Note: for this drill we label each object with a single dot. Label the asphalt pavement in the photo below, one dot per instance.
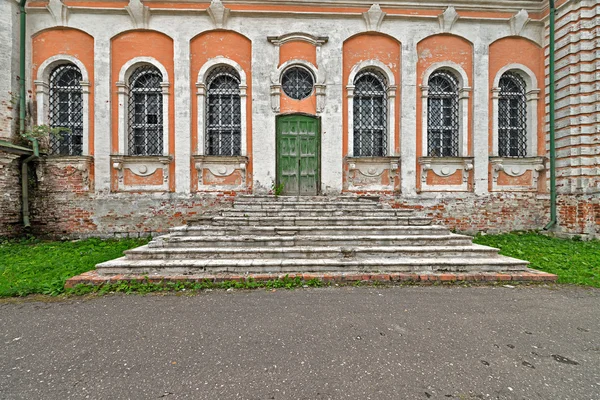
(331, 343)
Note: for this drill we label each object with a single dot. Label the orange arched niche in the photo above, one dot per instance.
(298, 50)
(72, 42)
(142, 43)
(237, 48)
(518, 50)
(435, 49)
(363, 47)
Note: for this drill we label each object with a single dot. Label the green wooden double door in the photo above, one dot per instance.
(298, 148)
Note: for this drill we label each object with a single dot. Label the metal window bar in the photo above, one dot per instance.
(442, 115)
(297, 83)
(512, 116)
(370, 114)
(145, 116)
(66, 110)
(223, 113)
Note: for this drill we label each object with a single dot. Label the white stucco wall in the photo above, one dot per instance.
(9, 67)
(182, 26)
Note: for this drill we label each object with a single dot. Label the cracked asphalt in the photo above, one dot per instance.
(333, 343)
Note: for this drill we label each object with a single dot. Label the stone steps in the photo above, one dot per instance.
(291, 205)
(281, 235)
(253, 199)
(312, 221)
(315, 213)
(312, 252)
(300, 240)
(354, 230)
(163, 267)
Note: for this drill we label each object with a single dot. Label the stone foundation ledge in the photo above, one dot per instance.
(526, 276)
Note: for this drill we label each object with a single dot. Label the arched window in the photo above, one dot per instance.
(370, 114)
(512, 116)
(443, 115)
(223, 112)
(66, 110)
(145, 121)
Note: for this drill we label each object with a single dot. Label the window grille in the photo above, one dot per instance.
(66, 110)
(442, 115)
(370, 114)
(297, 83)
(145, 112)
(512, 116)
(223, 112)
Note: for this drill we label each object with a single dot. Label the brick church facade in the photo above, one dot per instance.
(174, 107)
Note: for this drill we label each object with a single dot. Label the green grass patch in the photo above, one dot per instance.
(574, 261)
(38, 267)
(145, 287)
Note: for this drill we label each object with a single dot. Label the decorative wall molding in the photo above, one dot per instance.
(374, 18)
(143, 167)
(59, 11)
(518, 22)
(139, 13)
(218, 13)
(298, 37)
(219, 173)
(515, 168)
(446, 167)
(447, 19)
(372, 173)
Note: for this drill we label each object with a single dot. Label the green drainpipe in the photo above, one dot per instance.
(553, 219)
(22, 104)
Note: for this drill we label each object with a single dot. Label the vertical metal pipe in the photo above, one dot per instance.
(552, 83)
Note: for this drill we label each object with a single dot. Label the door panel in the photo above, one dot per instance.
(298, 154)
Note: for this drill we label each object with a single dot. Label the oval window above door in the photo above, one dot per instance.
(297, 83)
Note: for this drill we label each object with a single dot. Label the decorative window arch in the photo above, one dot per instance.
(144, 114)
(62, 95)
(143, 90)
(445, 95)
(317, 77)
(442, 115)
(223, 114)
(371, 93)
(221, 99)
(515, 97)
(370, 114)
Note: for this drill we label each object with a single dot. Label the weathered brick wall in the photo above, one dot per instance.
(9, 67)
(492, 213)
(10, 195)
(578, 117)
(65, 205)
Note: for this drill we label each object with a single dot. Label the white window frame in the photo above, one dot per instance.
(123, 97)
(391, 99)
(42, 93)
(201, 83)
(532, 96)
(464, 92)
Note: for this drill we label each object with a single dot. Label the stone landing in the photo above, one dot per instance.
(333, 239)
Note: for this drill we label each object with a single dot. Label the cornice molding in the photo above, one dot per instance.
(298, 36)
(355, 7)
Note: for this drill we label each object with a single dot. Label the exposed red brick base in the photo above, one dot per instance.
(529, 275)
